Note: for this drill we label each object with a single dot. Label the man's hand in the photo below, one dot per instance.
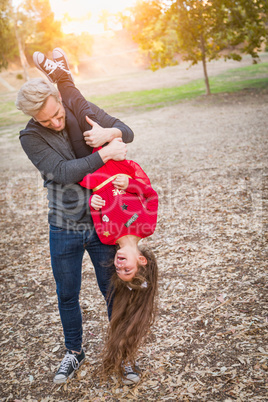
(97, 202)
(116, 150)
(121, 182)
(98, 136)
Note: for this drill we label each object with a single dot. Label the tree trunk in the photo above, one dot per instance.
(75, 66)
(23, 60)
(204, 62)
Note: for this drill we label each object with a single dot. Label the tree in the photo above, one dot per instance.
(24, 28)
(248, 24)
(77, 46)
(104, 19)
(7, 37)
(197, 30)
(37, 27)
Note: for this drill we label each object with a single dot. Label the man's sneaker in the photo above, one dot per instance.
(45, 65)
(131, 376)
(60, 58)
(71, 362)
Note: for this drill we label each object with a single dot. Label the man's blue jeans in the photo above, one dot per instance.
(67, 249)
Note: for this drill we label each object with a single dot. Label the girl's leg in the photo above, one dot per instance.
(79, 108)
(73, 99)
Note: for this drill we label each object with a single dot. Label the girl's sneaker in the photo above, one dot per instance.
(53, 72)
(60, 58)
(131, 375)
(45, 65)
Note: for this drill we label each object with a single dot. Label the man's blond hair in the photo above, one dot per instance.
(33, 95)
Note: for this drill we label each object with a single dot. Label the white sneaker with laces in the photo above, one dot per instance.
(131, 376)
(69, 364)
(60, 58)
(45, 65)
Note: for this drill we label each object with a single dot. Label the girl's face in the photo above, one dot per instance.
(126, 262)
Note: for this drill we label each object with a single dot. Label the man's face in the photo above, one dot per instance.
(52, 115)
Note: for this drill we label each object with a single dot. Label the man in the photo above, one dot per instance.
(45, 141)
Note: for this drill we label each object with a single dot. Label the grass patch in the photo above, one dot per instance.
(235, 86)
(234, 80)
(6, 107)
(247, 71)
(11, 117)
(254, 76)
(153, 97)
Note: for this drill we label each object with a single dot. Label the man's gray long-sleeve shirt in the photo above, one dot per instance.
(52, 154)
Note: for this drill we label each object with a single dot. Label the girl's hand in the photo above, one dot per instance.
(121, 182)
(97, 202)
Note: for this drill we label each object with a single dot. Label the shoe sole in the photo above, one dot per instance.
(63, 381)
(130, 382)
(66, 59)
(35, 55)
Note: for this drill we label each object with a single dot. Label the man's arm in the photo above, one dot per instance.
(111, 126)
(99, 136)
(55, 167)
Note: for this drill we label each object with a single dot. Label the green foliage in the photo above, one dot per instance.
(4, 30)
(7, 35)
(36, 29)
(246, 25)
(155, 34)
(36, 26)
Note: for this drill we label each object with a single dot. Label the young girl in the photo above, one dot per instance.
(124, 210)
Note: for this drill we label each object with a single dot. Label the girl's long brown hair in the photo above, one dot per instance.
(132, 315)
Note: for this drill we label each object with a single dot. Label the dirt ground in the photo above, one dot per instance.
(207, 158)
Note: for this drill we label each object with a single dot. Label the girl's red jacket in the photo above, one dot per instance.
(126, 212)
